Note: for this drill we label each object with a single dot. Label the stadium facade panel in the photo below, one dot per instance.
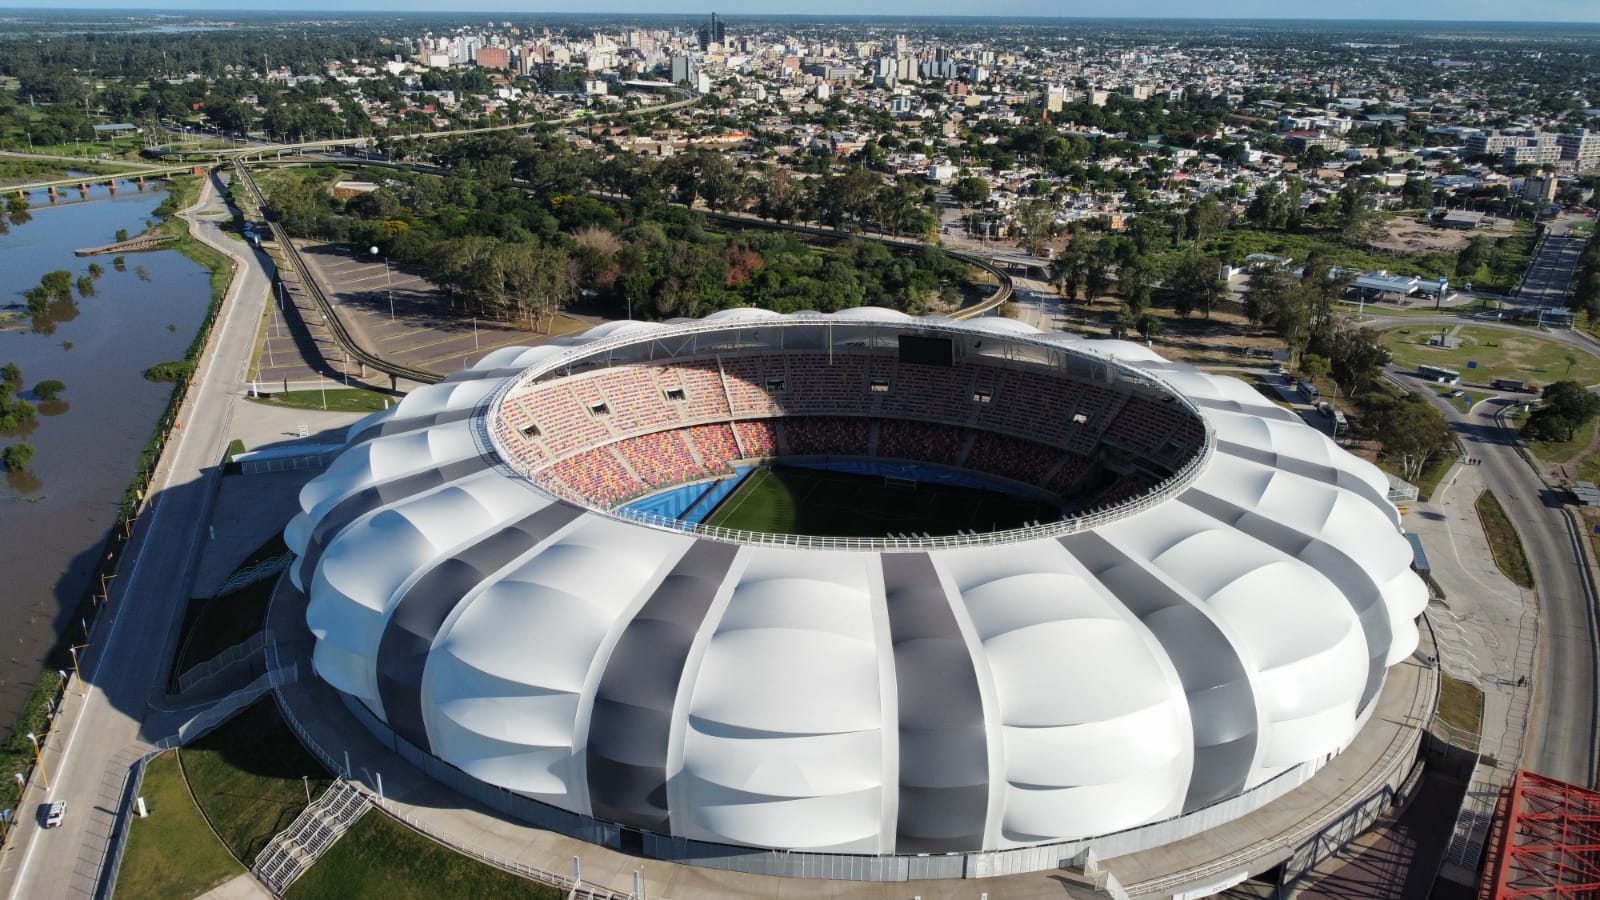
(1213, 616)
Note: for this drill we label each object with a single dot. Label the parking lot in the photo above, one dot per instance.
(394, 313)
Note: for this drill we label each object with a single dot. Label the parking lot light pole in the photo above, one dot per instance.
(386, 281)
(39, 758)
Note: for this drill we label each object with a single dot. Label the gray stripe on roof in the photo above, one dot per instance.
(1222, 706)
(941, 714)
(371, 498)
(415, 621)
(413, 423)
(1306, 469)
(630, 727)
(1354, 584)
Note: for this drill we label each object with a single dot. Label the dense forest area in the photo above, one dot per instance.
(512, 224)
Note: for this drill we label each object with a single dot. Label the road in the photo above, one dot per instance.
(99, 733)
(1562, 726)
(1550, 272)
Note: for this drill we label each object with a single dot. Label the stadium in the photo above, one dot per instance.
(898, 597)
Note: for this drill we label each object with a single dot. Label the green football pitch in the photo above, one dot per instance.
(789, 500)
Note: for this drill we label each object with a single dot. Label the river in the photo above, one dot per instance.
(55, 516)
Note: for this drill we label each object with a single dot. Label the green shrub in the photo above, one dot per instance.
(173, 371)
(17, 456)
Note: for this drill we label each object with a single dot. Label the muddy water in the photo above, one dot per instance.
(54, 517)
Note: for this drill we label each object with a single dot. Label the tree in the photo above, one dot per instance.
(11, 375)
(1148, 325)
(49, 389)
(1471, 257)
(970, 191)
(1197, 284)
(1411, 430)
(1035, 220)
(1270, 287)
(1314, 366)
(1067, 269)
(1097, 269)
(17, 456)
(1205, 218)
(1136, 277)
(1355, 358)
(1355, 219)
(1565, 407)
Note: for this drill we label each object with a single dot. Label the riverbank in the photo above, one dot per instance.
(68, 529)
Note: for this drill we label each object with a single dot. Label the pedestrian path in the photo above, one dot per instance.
(1487, 631)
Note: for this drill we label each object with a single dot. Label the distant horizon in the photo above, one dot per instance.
(1426, 12)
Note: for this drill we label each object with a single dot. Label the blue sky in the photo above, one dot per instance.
(1452, 10)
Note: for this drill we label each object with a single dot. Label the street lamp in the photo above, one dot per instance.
(75, 670)
(38, 758)
(386, 280)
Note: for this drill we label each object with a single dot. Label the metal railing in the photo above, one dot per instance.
(296, 848)
(198, 673)
(133, 782)
(261, 570)
(331, 318)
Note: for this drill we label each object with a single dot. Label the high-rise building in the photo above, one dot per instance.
(713, 32)
(1581, 149)
(684, 70)
(493, 58)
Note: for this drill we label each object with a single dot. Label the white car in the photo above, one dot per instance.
(54, 813)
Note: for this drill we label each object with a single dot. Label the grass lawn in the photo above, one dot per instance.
(1460, 704)
(171, 853)
(247, 777)
(1498, 353)
(332, 399)
(1581, 229)
(1503, 540)
(1433, 473)
(182, 192)
(381, 858)
(791, 500)
(1561, 451)
(1237, 243)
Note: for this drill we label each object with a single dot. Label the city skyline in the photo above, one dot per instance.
(1540, 11)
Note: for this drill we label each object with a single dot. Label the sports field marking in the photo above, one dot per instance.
(740, 495)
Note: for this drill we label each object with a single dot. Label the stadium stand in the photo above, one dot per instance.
(614, 433)
(759, 438)
(921, 441)
(820, 436)
(716, 446)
